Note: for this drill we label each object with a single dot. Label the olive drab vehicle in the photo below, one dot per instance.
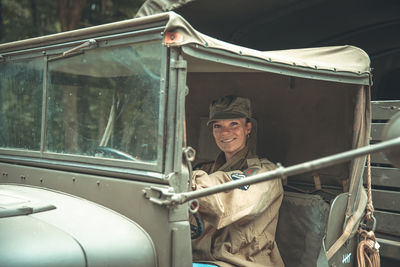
(100, 128)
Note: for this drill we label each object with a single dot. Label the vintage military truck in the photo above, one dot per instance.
(98, 126)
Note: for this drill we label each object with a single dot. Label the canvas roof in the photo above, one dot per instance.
(347, 59)
(336, 58)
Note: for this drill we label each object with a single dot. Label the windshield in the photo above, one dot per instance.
(105, 103)
(102, 103)
(21, 87)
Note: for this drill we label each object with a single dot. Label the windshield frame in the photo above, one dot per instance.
(62, 161)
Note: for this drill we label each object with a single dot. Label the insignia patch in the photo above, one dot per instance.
(251, 171)
(237, 176)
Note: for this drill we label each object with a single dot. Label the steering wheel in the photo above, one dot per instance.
(108, 152)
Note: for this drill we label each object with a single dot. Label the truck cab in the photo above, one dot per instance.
(99, 126)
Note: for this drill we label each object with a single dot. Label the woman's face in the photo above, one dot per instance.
(230, 135)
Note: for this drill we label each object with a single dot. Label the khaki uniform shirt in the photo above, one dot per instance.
(240, 224)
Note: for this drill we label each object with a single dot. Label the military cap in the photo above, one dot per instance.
(229, 107)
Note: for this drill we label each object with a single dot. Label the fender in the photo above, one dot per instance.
(47, 228)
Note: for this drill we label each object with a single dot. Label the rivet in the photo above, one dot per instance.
(44, 52)
(73, 179)
(41, 180)
(98, 182)
(144, 193)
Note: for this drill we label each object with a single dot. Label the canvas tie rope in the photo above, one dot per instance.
(370, 206)
(368, 248)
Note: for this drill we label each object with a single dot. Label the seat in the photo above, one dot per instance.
(301, 228)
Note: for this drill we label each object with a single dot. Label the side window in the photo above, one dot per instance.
(105, 102)
(21, 87)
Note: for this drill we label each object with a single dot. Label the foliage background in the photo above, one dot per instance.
(21, 19)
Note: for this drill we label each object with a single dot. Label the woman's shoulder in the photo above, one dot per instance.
(204, 166)
(262, 163)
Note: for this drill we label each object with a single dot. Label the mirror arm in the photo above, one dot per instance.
(88, 43)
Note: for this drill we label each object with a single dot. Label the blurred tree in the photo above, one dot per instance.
(70, 12)
(30, 18)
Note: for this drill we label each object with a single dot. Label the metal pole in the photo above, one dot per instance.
(289, 171)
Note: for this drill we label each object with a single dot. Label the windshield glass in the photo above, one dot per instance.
(105, 103)
(21, 90)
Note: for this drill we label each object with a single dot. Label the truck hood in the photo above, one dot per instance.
(40, 227)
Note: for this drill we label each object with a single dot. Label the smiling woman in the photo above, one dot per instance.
(230, 118)
(242, 221)
(230, 135)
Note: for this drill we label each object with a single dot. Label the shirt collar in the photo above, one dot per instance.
(235, 163)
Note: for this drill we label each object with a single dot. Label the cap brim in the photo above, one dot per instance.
(226, 116)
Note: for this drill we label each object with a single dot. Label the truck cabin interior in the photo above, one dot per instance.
(297, 120)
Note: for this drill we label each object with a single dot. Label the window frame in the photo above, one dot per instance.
(125, 168)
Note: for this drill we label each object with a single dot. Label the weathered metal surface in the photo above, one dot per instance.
(384, 110)
(386, 200)
(384, 176)
(121, 195)
(69, 235)
(376, 131)
(387, 222)
(392, 130)
(380, 158)
(389, 248)
(334, 224)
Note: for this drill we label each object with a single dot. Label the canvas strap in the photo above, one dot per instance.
(348, 229)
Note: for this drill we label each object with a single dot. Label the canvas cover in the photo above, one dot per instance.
(151, 7)
(341, 58)
(337, 58)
